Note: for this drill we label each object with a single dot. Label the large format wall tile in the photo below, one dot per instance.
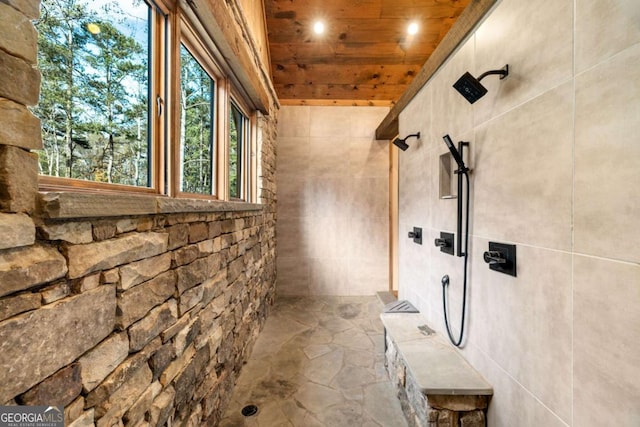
(328, 157)
(555, 165)
(522, 175)
(333, 202)
(330, 121)
(452, 114)
(524, 322)
(606, 330)
(512, 405)
(368, 158)
(293, 155)
(293, 122)
(536, 39)
(293, 274)
(607, 169)
(604, 28)
(291, 191)
(364, 121)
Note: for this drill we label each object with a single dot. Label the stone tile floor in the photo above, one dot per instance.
(318, 362)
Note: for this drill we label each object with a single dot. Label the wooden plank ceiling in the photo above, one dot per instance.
(365, 55)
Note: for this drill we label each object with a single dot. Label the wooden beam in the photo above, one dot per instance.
(331, 91)
(351, 53)
(234, 46)
(345, 74)
(312, 9)
(355, 31)
(467, 21)
(411, 9)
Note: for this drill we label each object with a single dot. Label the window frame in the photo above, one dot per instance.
(244, 162)
(171, 27)
(194, 44)
(158, 97)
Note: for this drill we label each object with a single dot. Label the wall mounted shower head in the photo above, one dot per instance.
(455, 153)
(471, 88)
(400, 142)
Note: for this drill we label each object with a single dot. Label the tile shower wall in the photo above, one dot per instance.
(556, 166)
(333, 198)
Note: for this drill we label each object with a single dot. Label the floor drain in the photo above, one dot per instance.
(249, 410)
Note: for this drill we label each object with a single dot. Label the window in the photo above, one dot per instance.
(95, 93)
(122, 112)
(238, 144)
(197, 96)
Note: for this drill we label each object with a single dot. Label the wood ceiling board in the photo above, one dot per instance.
(325, 53)
(323, 91)
(361, 36)
(348, 74)
(323, 9)
(354, 31)
(388, 128)
(338, 102)
(419, 9)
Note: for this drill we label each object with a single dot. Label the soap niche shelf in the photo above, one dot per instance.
(448, 189)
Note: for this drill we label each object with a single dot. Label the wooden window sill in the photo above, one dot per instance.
(67, 205)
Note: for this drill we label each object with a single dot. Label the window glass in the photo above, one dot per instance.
(94, 102)
(238, 136)
(197, 91)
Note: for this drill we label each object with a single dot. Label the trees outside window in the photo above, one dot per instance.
(94, 103)
(197, 94)
(238, 140)
(118, 113)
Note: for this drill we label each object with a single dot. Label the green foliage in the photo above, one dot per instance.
(196, 101)
(237, 122)
(94, 94)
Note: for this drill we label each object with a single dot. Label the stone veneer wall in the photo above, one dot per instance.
(440, 410)
(126, 320)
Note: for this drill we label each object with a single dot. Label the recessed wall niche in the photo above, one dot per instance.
(448, 189)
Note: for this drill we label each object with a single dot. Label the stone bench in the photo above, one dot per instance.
(436, 385)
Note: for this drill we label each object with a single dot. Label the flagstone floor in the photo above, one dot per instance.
(318, 362)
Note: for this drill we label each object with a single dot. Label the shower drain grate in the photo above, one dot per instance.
(401, 306)
(249, 410)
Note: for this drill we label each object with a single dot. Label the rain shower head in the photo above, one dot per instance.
(400, 142)
(471, 88)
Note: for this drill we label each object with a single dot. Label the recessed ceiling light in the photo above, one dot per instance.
(413, 28)
(318, 27)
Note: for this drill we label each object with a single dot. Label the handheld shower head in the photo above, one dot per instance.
(455, 153)
(400, 142)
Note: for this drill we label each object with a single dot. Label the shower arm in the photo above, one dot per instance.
(504, 72)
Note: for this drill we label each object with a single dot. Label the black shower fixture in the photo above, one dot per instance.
(400, 142)
(456, 154)
(472, 89)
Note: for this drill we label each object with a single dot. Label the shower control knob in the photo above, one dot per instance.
(441, 243)
(494, 257)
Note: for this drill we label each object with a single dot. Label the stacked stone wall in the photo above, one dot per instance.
(432, 410)
(138, 320)
(133, 321)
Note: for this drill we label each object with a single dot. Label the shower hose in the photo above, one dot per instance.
(445, 279)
